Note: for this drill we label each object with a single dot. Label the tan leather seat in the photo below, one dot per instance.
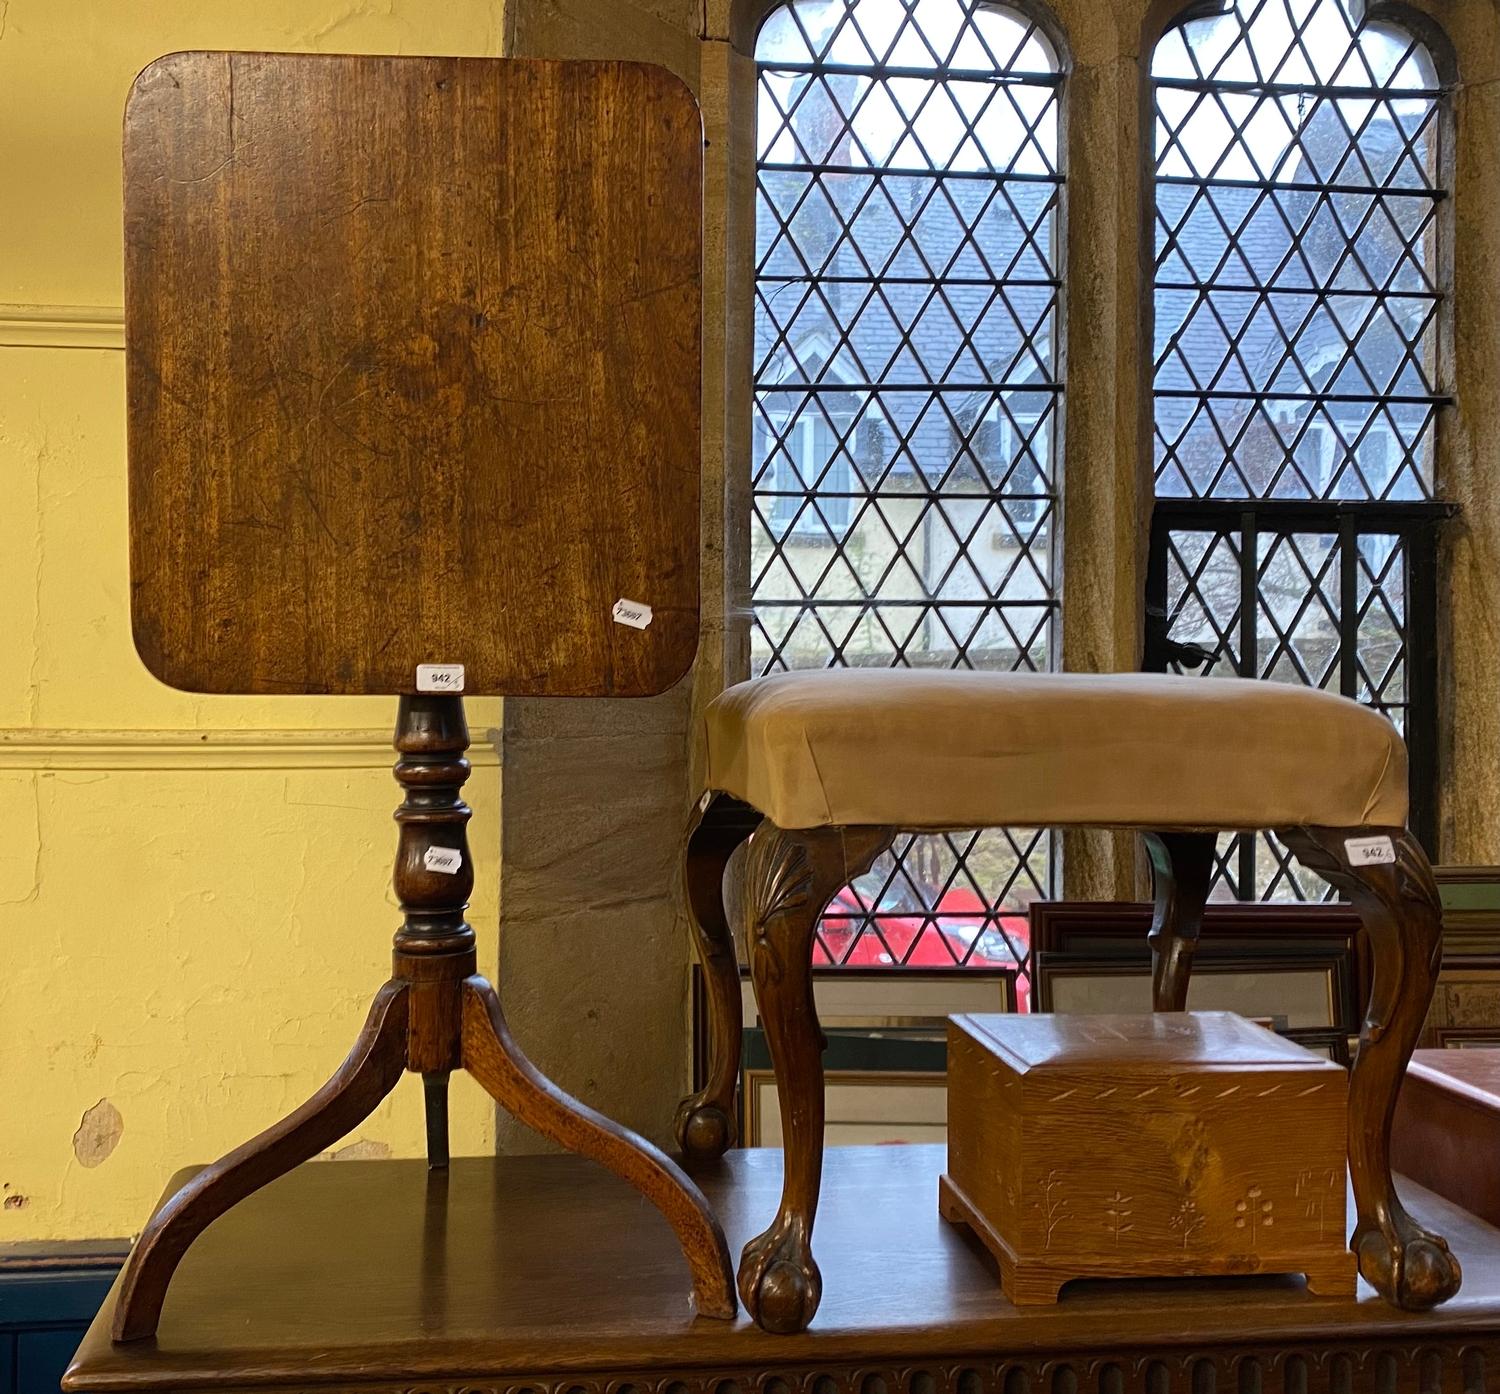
(915, 749)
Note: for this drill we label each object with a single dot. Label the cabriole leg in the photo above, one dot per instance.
(1182, 866)
(1397, 901)
(789, 879)
(705, 1126)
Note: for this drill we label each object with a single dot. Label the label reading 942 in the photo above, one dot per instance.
(440, 677)
(1370, 851)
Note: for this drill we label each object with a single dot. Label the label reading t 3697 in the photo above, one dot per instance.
(634, 613)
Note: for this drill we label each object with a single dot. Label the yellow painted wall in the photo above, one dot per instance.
(194, 891)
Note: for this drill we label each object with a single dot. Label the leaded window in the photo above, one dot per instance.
(1298, 236)
(906, 399)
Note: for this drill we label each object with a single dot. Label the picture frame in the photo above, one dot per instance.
(1298, 994)
(1334, 1044)
(1466, 1037)
(860, 1107)
(1470, 897)
(1229, 927)
(1280, 938)
(879, 1087)
(901, 999)
(1466, 1003)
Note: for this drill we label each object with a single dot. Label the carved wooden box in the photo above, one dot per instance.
(1145, 1146)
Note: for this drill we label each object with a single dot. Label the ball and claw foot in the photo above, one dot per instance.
(704, 1131)
(1408, 1266)
(779, 1283)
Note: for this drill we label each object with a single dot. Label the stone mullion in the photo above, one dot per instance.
(728, 97)
(1107, 476)
(1468, 442)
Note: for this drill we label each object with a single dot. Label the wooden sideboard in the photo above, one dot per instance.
(546, 1275)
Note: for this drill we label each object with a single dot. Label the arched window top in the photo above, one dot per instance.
(933, 85)
(1295, 43)
(1309, 92)
(928, 36)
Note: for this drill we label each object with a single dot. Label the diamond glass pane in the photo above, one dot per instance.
(1296, 349)
(1297, 159)
(907, 400)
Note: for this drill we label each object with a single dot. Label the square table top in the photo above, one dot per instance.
(519, 1268)
(413, 364)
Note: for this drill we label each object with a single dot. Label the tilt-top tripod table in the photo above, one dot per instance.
(413, 360)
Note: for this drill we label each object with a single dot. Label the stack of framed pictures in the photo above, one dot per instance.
(1466, 1008)
(1297, 968)
(886, 1062)
(879, 1087)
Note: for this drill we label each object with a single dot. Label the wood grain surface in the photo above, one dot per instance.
(413, 372)
(367, 1271)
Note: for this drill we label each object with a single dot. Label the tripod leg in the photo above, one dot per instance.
(435, 1095)
(491, 1055)
(368, 1074)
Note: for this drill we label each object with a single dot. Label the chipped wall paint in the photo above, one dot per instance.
(189, 938)
(98, 1134)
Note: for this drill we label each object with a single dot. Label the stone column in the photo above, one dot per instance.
(1468, 467)
(1107, 486)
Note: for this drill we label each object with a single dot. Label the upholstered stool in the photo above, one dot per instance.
(820, 770)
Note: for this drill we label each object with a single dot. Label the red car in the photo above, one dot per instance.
(960, 930)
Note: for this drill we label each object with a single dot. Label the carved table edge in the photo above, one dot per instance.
(1451, 1359)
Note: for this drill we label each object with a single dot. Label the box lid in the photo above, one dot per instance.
(1051, 1040)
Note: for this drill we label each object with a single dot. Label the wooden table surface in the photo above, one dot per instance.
(413, 363)
(1477, 1071)
(547, 1274)
(1448, 1116)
